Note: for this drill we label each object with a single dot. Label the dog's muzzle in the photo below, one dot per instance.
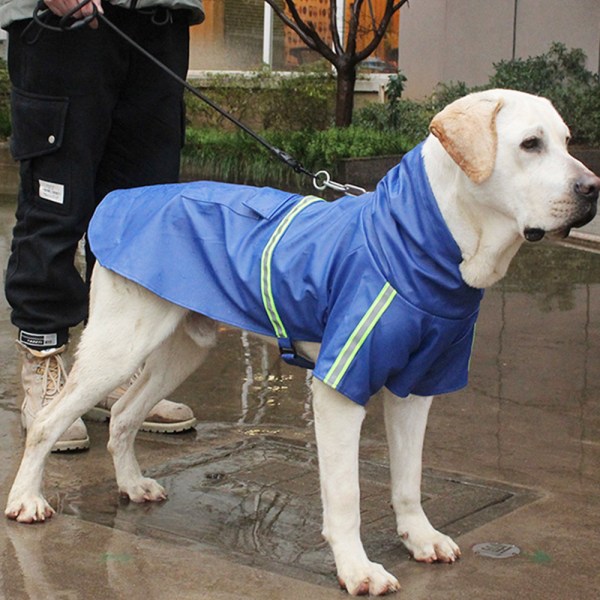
(586, 190)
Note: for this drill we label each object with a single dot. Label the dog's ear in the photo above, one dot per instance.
(467, 130)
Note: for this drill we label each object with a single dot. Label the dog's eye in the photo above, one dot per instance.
(531, 144)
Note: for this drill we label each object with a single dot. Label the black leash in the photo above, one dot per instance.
(68, 22)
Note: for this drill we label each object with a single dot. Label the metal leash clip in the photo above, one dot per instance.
(322, 180)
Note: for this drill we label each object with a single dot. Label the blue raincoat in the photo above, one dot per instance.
(375, 279)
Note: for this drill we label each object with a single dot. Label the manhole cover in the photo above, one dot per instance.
(258, 502)
(496, 550)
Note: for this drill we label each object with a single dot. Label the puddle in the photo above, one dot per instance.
(258, 502)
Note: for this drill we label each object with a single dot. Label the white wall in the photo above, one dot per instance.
(459, 40)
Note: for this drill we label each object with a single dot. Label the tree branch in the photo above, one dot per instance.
(390, 10)
(306, 31)
(353, 28)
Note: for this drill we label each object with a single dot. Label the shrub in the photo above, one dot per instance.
(233, 95)
(445, 93)
(559, 75)
(291, 112)
(395, 114)
(331, 145)
(408, 119)
(301, 102)
(545, 74)
(266, 101)
(235, 156)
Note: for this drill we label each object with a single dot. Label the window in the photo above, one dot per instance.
(244, 35)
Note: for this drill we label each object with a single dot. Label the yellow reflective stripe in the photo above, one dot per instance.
(266, 286)
(471, 349)
(359, 335)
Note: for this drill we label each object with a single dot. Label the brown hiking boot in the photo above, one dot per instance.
(43, 376)
(165, 417)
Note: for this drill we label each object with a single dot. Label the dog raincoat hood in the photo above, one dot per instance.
(376, 278)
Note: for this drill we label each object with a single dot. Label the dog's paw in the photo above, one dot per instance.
(431, 547)
(370, 579)
(28, 509)
(144, 490)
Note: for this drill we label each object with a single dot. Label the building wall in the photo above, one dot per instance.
(231, 38)
(459, 40)
(439, 40)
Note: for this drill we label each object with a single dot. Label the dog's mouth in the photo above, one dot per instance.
(535, 234)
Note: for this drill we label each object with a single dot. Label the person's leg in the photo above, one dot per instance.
(148, 125)
(143, 148)
(61, 106)
(63, 88)
(148, 122)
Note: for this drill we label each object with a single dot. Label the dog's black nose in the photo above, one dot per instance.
(587, 187)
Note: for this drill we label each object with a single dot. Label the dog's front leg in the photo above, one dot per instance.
(338, 423)
(405, 421)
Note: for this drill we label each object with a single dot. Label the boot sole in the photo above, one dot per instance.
(71, 445)
(63, 445)
(101, 415)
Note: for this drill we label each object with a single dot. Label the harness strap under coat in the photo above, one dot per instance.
(286, 346)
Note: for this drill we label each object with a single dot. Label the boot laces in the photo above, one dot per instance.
(54, 375)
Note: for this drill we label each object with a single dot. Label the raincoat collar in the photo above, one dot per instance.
(412, 245)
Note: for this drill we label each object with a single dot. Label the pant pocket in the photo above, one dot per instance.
(38, 124)
(38, 130)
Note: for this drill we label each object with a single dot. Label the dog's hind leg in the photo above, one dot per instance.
(405, 421)
(164, 370)
(112, 346)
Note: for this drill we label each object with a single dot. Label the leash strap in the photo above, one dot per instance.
(320, 180)
(286, 347)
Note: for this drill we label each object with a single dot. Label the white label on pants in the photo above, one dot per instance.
(55, 192)
(38, 339)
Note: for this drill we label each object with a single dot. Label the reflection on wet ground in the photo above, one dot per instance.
(258, 501)
(530, 417)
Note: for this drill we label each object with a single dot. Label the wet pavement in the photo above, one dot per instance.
(514, 460)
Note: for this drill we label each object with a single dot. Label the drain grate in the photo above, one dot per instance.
(259, 503)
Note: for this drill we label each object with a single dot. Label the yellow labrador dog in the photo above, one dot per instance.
(413, 256)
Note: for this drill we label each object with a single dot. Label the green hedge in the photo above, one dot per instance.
(296, 113)
(558, 74)
(235, 156)
(561, 76)
(266, 100)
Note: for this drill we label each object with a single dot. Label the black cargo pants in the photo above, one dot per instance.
(90, 114)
